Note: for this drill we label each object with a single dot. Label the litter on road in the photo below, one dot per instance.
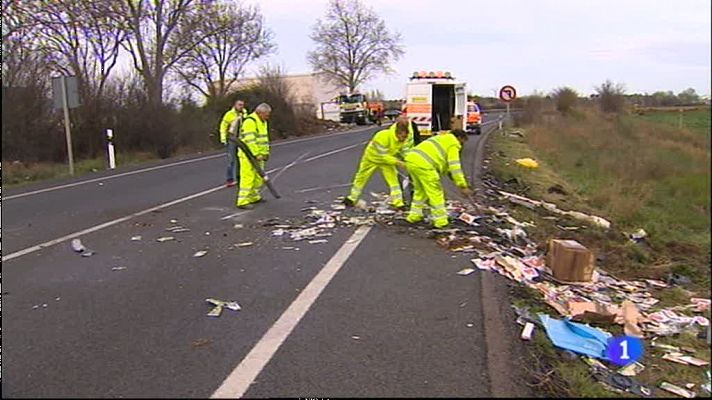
(200, 253)
(219, 305)
(136, 238)
(165, 239)
(118, 268)
(528, 331)
(466, 271)
(244, 244)
(78, 247)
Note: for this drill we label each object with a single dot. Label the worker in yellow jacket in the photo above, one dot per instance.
(426, 162)
(230, 125)
(384, 152)
(255, 134)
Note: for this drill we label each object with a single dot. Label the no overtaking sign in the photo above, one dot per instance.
(508, 93)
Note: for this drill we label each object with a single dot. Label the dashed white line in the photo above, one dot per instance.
(192, 160)
(240, 379)
(137, 214)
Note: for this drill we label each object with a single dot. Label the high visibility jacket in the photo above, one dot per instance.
(255, 134)
(383, 147)
(442, 153)
(408, 143)
(227, 121)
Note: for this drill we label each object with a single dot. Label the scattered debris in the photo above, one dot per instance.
(637, 236)
(527, 163)
(466, 271)
(674, 389)
(576, 337)
(238, 226)
(200, 253)
(219, 304)
(632, 369)
(244, 244)
(174, 221)
(201, 342)
(529, 203)
(78, 247)
(528, 331)
(558, 189)
(136, 238)
(165, 239)
(118, 268)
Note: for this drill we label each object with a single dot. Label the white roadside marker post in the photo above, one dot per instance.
(110, 148)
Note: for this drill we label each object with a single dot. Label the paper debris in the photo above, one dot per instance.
(669, 387)
(355, 337)
(632, 369)
(244, 244)
(317, 241)
(77, 246)
(527, 331)
(466, 271)
(118, 268)
(238, 226)
(219, 305)
(174, 221)
(165, 238)
(136, 238)
(200, 253)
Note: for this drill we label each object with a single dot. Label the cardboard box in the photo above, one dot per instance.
(456, 122)
(570, 261)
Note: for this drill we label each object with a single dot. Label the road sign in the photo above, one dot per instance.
(72, 91)
(508, 93)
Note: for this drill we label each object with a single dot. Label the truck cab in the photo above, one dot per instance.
(436, 102)
(353, 109)
(474, 118)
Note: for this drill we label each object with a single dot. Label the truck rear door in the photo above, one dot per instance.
(419, 99)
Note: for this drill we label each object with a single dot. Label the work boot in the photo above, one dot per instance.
(246, 207)
(348, 202)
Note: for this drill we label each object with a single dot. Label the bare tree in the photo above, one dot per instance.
(77, 37)
(353, 44)
(22, 64)
(239, 38)
(163, 32)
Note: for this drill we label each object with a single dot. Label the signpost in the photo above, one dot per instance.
(65, 95)
(507, 94)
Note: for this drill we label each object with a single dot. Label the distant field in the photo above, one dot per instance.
(697, 120)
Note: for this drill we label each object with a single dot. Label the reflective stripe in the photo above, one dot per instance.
(440, 149)
(454, 162)
(425, 157)
(456, 171)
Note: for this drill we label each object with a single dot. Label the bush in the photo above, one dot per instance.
(610, 97)
(565, 98)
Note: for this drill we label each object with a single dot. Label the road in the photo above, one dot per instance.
(374, 312)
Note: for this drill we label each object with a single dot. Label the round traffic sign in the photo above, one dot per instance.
(508, 93)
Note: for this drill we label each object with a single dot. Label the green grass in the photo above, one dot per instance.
(637, 172)
(18, 174)
(697, 121)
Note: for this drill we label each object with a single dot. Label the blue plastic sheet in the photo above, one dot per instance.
(576, 337)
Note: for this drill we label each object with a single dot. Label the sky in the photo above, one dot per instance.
(533, 45)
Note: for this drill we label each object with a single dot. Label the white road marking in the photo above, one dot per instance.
(140, 171)
(40, 246)
(240, 379)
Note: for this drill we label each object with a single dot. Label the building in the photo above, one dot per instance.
(309, 91)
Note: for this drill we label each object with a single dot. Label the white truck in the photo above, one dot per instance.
(436, 102)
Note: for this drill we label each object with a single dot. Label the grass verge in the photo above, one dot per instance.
(637, 172)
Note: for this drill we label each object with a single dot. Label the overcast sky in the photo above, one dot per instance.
(533, 45)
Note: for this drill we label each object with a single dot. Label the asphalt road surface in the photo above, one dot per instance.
(374, 312)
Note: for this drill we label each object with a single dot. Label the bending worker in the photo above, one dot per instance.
(426, 162)
(255, 135)
(230, 125)
(382, 153)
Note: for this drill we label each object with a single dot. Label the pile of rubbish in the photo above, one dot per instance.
(500, 244)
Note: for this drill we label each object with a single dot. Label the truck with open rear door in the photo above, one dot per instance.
(436, 102)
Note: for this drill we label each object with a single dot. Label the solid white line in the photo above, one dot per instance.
(140, 171)
(240, 379)
(158, 207)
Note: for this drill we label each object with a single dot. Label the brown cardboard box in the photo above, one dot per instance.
(456, 122)
(570, 261)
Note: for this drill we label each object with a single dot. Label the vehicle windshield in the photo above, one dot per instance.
(473, 107)
(354, 98)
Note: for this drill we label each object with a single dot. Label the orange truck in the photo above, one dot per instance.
(356, 108)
